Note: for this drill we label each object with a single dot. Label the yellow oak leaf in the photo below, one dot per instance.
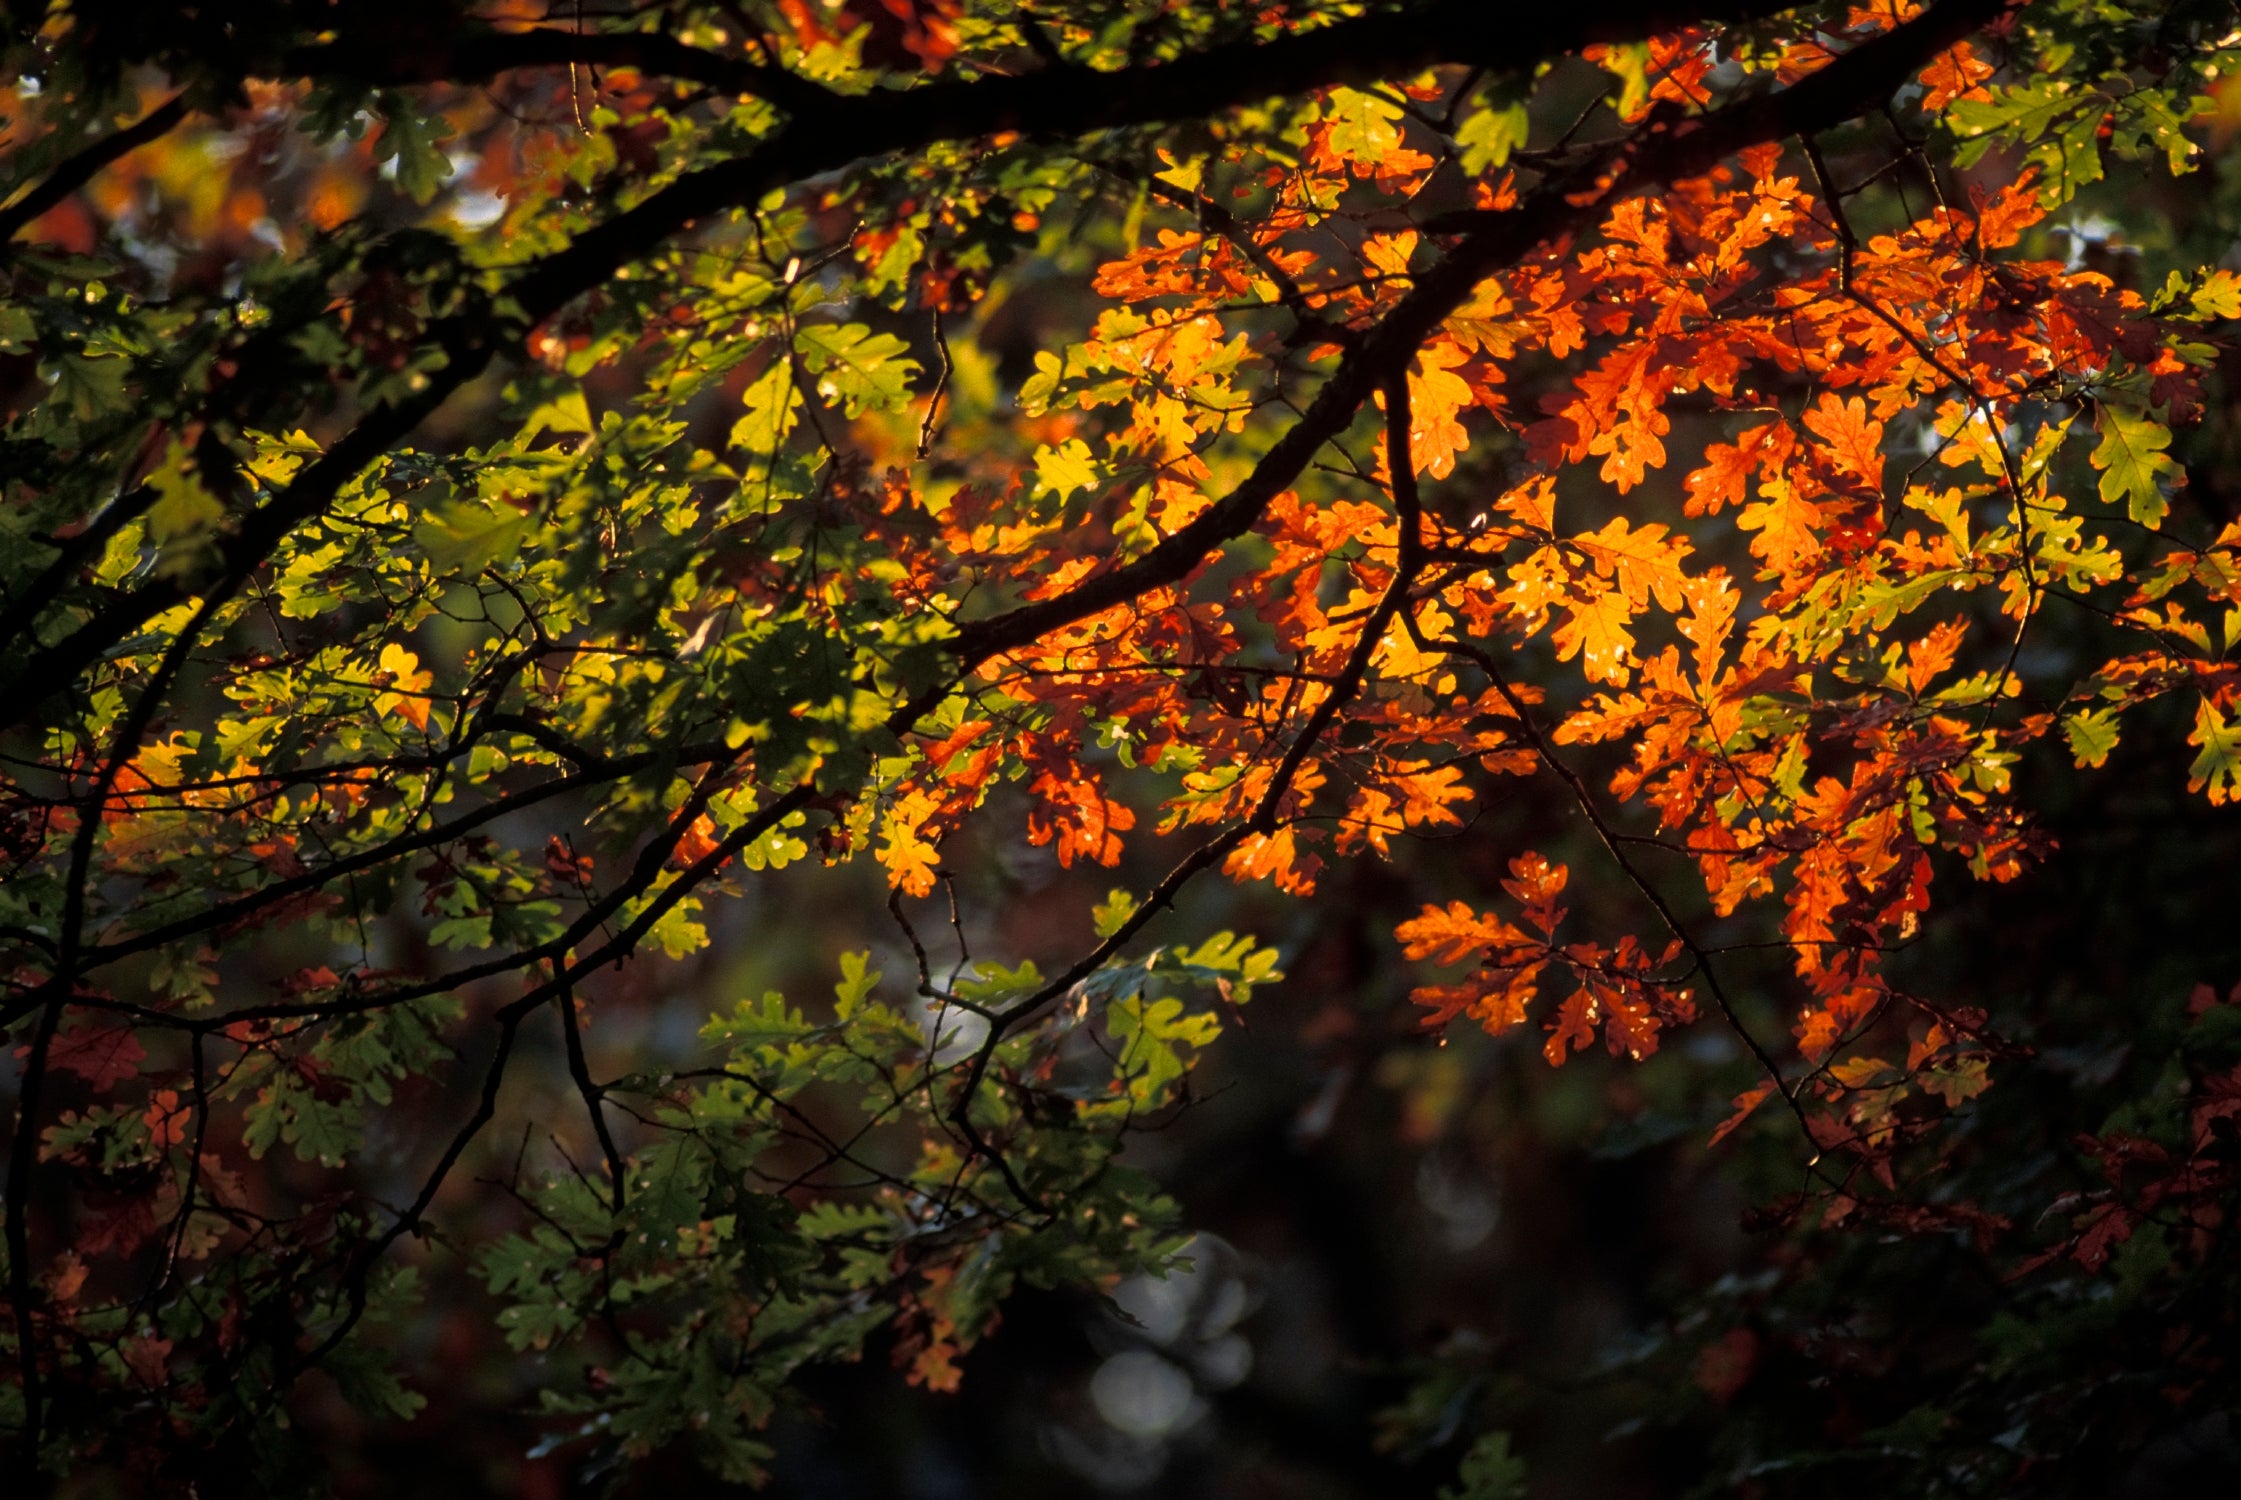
(407, 695)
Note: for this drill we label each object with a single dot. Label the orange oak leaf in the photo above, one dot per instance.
(1595, 631)
(1454, 933)
(1722, 481)
(1574, 1025)
(1854, 441)
(1745, 1104)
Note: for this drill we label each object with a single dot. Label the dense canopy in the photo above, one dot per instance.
(668, 667)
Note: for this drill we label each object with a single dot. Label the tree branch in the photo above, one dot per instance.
(1859, 80)
(79, 170)
(476, 58)
(826, 137)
